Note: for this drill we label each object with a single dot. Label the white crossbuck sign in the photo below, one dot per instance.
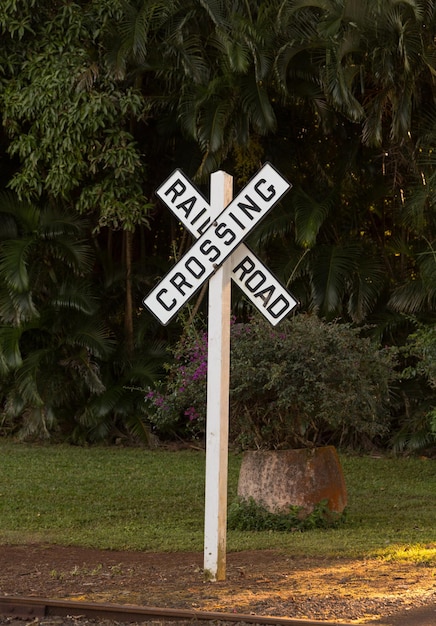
(218, 237)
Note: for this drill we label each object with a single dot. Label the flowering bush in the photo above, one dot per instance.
(178, 404)
(305, 383)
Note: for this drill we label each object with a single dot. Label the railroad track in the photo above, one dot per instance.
(39, 608)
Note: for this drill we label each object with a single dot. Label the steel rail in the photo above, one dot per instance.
(32, 607)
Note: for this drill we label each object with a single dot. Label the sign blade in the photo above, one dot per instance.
(265, 291)
(247, 209)
(187, 203)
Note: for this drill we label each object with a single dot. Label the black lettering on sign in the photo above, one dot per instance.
(235, 219)
(246, 266)
(280, 300)
(201, 228)
(166, 306)
(272, 191)
(194, 266)
(265, 294)
(246, 208)
(207, 247)
(177, 189)
(197, 217)
(179, 282)
(222, 231)
(186, 206)
(255, 283)
(259, 278)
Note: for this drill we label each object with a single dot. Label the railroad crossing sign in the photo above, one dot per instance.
(218, 236)
(218, 255)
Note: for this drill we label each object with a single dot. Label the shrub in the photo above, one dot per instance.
(421, 346)
(304, 383)
(250, 515)
(177, 405)
(416, 429)
(308, 383)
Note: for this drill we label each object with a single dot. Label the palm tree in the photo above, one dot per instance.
(204, 68)
(357, 82)
(61, 348)
(52, 339)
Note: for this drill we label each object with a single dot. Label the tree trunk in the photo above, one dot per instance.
(128, 313)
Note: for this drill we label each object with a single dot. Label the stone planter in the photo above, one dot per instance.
(278, 479)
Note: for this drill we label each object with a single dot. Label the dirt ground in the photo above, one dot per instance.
(263, 583)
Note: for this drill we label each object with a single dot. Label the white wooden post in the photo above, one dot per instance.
(217, 416)
(174, 290)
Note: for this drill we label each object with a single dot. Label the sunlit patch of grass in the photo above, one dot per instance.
(421, 554)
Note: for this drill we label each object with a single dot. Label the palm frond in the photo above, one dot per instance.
(88, 371)
(332, 271)
(26, 377)
(190, 54)
(8, 226)
(17, 216)
(140, 429)
(408, 298)
(54, 223)
(419, 292)
(277, 225)
(236, 52)
(14, 254)
(70, 296)
(37, 421)
(211, 132)
(257, 105)
(293, 60)
(91, 428)
(414, 435)
(324, 5)
(17, 308)
(77, 256)
(103, 405)
(368, 283)
(10, 347)
(310, 215)
(418, 210)
(210, 163)
(372, 133)
(427, 267)
(339, 83)
(134, 29)
(387, 325)
(92, 336)
(146, 372)
(214, 10)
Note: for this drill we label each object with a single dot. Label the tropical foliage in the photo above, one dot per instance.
(100, 101)
(417, 428)
(58, 353)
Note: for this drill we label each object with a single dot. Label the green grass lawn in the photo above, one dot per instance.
(130, 498)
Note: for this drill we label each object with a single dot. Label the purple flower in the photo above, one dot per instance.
(191, 413)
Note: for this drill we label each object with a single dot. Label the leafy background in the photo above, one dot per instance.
(100, 101)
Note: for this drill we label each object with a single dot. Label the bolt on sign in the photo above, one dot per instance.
(218, 256)
(217, 238)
